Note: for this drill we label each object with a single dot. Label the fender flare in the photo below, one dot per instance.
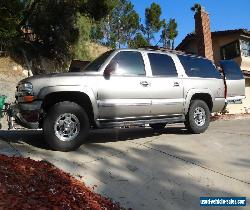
(190, 93)
(71, 88)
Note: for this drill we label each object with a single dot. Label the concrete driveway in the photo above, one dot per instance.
(144, 169)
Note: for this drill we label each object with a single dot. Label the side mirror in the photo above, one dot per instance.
(110, 68)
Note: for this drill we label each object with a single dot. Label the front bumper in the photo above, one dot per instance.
(28, 115)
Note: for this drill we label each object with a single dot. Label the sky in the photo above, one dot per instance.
(224, 14)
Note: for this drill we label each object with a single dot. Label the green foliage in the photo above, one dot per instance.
(138, 41)
(53, 25)
(96, 8)
(96, 33)
(10, 18)
(50, 29)
(196, 8)
(153, 23)
(119, 27)
(61, 29)
(169, 33)
(80, 48)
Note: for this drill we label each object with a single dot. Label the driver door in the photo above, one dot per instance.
(124, 93)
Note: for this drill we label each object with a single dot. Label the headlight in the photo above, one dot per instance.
(25, 87)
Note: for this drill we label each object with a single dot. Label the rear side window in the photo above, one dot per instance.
(231, 70)
(162, 65)
(199, 67)
(130, 63)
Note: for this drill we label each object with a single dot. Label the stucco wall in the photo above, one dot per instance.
(245, 63)
(219, 41)
(245, 106)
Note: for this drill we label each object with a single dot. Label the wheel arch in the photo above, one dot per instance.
(84, 99)
(204, 95)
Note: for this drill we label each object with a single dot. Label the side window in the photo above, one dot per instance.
(129, 63)
(162, 65)
(230, 50)
(199, 67)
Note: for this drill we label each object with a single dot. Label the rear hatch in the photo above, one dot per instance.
(234, 81)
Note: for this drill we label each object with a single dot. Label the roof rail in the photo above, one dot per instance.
(162, 49)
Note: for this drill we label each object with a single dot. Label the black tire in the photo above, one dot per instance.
(77, 114)
(158, 126)
(197, 125)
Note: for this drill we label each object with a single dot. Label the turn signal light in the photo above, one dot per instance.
(28, 98)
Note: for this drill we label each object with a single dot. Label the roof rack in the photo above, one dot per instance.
(162, 49)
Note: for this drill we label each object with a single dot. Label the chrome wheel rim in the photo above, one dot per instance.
(67, 127)
(199, 116)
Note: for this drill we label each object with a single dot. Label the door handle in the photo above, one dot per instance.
(144, 83)
(176, 84)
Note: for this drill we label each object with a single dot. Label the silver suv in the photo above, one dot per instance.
(127, 87)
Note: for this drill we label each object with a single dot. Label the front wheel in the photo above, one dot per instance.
(198, 117)
(66, 126)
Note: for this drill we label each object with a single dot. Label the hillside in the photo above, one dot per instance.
(10, 74)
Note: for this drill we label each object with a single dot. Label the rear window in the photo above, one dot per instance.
(162, 65)
(199, 67)
(231, 70)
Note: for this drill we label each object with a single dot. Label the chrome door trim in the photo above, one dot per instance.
(123, 102)
(168, 101)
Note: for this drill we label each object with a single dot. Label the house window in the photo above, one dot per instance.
(230, 51)
(245, 47)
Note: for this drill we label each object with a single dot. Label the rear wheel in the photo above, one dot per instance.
(66, 126)
(198, 117)
(158, 126)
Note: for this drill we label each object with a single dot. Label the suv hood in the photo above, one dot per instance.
(60, 79)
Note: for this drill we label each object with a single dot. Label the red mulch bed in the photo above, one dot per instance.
(230, 117)
(28, 184)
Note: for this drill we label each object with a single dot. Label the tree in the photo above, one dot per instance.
(169, 33)
(153, 22)
(10, 18)
(172, 29)
(119, 27)
(80, 48)
(54, 27)
(196, 8)
(165, 35)
(138, 41)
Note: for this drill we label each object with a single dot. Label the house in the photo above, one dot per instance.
(221, 45)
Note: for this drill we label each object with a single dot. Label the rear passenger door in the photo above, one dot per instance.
(166, 88)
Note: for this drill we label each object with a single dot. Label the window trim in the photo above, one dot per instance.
(198, 77)
(238, 50)
(124, 75)
(162, 76)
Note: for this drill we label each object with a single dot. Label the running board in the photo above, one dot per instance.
(121, 123)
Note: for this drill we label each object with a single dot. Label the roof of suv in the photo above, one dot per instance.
(162, 50)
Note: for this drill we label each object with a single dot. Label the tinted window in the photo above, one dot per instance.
(231, 70)
(162, 65)
(97, 63)
(199, 67)
(129, 63)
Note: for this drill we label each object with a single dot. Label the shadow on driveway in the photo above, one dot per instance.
(35, 137)
(136, 176)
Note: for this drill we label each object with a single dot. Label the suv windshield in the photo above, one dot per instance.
(97, 63)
